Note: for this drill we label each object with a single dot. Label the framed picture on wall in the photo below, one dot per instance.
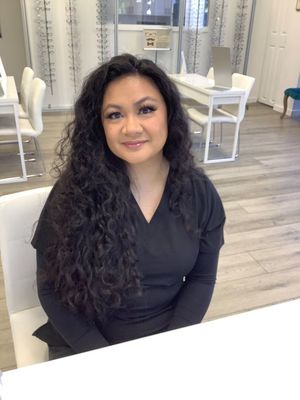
(298, 5)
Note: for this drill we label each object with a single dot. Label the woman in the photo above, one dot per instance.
(128, 241)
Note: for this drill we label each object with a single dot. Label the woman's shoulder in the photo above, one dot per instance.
(201, 183)
(44, 228)
(206, 198)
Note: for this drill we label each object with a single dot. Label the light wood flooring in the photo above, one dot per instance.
(260, 262)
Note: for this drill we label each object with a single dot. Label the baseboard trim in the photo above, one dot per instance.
(279, 108)
(58, 108)
(296, 113)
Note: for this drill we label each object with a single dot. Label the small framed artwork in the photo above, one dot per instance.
(298, 5)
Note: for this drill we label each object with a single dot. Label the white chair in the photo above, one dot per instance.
(27, 78)
(33, 126)
(227, 114)
(19, 213)
(183, 67)
(210, 73)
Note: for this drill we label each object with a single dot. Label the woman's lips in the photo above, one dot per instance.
(134, 144)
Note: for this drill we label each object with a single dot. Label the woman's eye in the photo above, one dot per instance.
(146, 109)
(114, 115)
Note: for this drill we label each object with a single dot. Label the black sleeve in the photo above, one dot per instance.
(195, 296)
(80, 334)
(196, 293)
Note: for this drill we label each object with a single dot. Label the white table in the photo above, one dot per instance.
(249, 356)
(10, 103)
(196, 87)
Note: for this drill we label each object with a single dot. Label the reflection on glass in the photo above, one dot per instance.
(159, 12)
(148, 12)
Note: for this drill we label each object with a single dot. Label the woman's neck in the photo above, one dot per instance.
(147, 175)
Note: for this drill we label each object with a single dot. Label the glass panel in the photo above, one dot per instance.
(224, 25)
(196, 19)
(148, 12)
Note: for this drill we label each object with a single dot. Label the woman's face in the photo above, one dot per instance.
(134, 117)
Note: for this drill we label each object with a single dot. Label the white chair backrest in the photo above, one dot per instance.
(26, 81)
(210, 74)
(35, 104)
(243, 82)
(19, 213)
(183, 67)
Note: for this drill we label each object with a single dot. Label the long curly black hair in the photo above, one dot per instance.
(93, 261)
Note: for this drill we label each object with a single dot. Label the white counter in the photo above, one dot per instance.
(249, 356)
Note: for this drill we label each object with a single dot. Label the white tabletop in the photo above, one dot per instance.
(196, 81)
(250, 356)
(11, 94)
(192, 79)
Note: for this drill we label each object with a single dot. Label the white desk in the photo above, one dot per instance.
(249, 356)
(195, 87)
(10, 102)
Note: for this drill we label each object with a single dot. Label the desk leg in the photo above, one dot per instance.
(235, 141)
(208, 133)
(235, 138)
(22, 178)
(20, 144)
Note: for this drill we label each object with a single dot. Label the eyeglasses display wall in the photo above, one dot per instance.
(228, 25)
(45, 44)
(68, 39)
(104, 30)
(73, 38)
(240, 33)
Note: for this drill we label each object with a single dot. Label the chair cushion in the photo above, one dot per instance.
(294, 93)
(26, 128)
(28, 349)
(22, 112)
(201, 117)
(8, 127)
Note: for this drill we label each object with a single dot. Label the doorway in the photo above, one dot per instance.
(274, 52)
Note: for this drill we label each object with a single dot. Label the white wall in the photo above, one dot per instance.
(290, 74)
(13, 57)
(290, 71)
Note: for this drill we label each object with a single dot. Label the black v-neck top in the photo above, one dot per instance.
(178, 275)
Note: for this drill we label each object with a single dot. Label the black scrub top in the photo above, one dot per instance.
(178, 274)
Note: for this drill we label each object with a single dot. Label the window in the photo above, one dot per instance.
(196, 16)
(149, 12)
(162, 12)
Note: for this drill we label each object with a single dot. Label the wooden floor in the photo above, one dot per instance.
(260, 262)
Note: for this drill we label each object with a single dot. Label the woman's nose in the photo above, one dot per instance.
(132, 125)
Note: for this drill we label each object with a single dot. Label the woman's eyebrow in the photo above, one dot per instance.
(136, 103)
(143, 99)
(111, 105)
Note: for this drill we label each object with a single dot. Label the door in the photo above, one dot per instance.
(274, 52)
